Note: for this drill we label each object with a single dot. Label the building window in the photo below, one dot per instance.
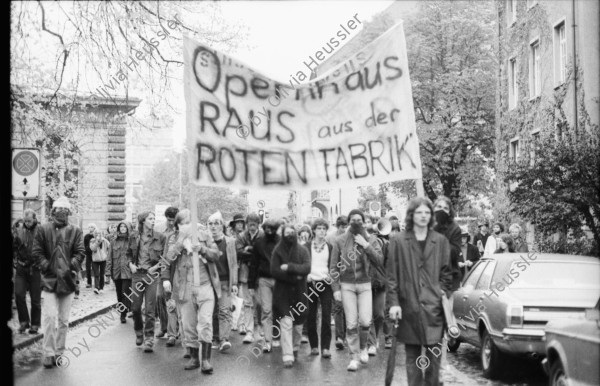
(513, 91)
(514, 150)
(511, 12)
(535, 86)
(560, 54)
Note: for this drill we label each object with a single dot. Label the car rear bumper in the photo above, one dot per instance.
(523, 341)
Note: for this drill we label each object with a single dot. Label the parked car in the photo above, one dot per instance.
(573, 350)
(505, 302)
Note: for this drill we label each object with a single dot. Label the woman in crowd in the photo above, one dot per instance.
(99, 246)
(505, 244)
(290, 265)
(515, 233)
(117, 266)
(319, 289)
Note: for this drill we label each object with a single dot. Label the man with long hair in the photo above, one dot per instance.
(419, 274)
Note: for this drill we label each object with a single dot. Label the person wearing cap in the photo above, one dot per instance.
(58, 252)
(353, 255)
(144, 253)
(227, 268)
(237, 225)
(244, 245)
(481, 238)
(469, 253)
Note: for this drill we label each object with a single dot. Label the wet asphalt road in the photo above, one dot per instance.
(111, 358)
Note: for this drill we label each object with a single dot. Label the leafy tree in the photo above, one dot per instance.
(162, 185)
(560, 191)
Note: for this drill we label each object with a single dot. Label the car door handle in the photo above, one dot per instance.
(481, 297)
(465, 297)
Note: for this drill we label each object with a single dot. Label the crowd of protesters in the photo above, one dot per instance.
(289, 277)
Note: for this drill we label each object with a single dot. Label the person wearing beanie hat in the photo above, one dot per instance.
(58, 252)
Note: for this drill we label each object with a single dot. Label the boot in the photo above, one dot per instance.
(206, 366)
(194, 361)
(139, 338)
(187, 354)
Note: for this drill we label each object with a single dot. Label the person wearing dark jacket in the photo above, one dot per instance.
(244, 245)
(58, 253)
(260, 274)
(319, 289)
(144, 254)
(27, 275)
(419, 274)
(117, 267)
(88, 254)
(289, 265)
(469, 254)
(515, 233)
(444, 223)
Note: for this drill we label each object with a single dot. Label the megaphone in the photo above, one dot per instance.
(384, 226)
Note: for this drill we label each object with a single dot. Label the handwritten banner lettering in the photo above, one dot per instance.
(352, 126)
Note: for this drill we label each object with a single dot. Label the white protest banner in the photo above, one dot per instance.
(353, 126)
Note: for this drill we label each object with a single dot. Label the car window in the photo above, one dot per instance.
(474, 274)
(486, 277)
(556, 274)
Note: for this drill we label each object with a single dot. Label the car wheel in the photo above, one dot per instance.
(492, 359)
(453, 344)
(558, 377)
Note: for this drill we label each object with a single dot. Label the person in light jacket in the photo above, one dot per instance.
(99, 246)
(419, 274)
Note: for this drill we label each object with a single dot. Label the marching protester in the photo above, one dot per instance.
(196, 304)
(319, 289)
(492, 243)
(470, 254)
(444, 223)
(167, 228)
(227, 269)
(419, 274)
(245, 252)
(305, 235)
(58, 253)
(27, 277)
(396, 228)
(261, 276)
(237, 225)
(341, 223)
(289, 265)
(88, 253)
(504, 244)
(117, 266)
(515, 233)
(99, 246)
(378, 288)
(144, 253)
(352, 285)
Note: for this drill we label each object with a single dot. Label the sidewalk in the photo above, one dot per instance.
(86, 307)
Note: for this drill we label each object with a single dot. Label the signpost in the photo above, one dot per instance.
(25, 174)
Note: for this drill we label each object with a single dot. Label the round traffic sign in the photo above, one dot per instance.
(25, 163)
(374, 206)
(261, 204)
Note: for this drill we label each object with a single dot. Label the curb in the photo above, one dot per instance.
(33, 339)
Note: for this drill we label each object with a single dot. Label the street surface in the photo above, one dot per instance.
(113, 359)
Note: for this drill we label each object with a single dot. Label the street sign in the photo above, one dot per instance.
(260, 204)
(25, 174)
